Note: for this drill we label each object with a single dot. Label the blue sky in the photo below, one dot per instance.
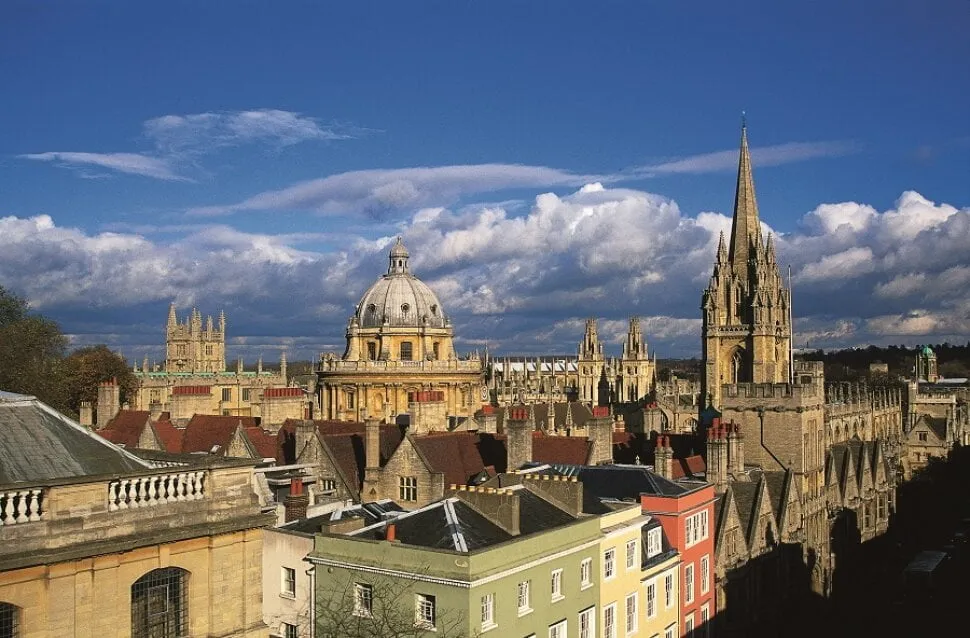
(260, 157)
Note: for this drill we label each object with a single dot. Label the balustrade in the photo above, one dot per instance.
(149, 491)
(22, 506)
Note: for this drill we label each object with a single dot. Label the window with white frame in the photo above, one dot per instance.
(631, 554)
(689, 625)
(671, 631)
(654, 542)
(289, 582)
(587, 623)
(695, 528)
(363, 600)
(288, 630)
(558, 630)
(669, 590)
(631, 613)
(689, 583)
(488, 611)
(705, 574)
(424, 611)
(586, 573)
(408, 488)
(556, 585)
(609, 621)
(328, 485)
(524, 605)
(705, 618)
(651, 596)
(609, 563)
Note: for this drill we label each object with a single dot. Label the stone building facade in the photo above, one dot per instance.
(399, 341)
(95, 541)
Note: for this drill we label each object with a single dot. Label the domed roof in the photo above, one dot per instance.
(399, 298)
(927, 351)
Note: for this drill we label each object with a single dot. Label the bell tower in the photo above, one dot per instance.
(747, 330)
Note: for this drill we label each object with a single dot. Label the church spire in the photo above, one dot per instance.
(746, 228)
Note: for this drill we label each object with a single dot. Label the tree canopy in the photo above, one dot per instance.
(34, 359)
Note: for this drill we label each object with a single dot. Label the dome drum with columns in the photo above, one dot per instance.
(399, 340)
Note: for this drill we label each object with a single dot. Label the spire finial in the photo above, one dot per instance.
(744, 120)
(745, 227)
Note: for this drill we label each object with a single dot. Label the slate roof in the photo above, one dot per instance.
(776, 491)
(936, 424)
(371, 513)
(452, 525)
(745, 497)
(37, 443)
(622, 482)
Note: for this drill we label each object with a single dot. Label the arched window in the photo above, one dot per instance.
(158, 604)
(739, 368)
(9, 621)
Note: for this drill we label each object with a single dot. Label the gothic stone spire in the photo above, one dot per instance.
(746, 228)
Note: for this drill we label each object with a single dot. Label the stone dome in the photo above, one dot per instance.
(399, 298)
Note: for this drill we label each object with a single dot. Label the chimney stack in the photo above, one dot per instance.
(600, 433)
(304, 434)
(518, 444)
(296, 502)
(109, 401)
(489, 424)
(87, 414)
(428, 411)
(663, 464)
(718, 453)
(735, 449)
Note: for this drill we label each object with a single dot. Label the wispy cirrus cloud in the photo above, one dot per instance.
(178, 141)
(131, 163)
(760, 156)
(380, 191)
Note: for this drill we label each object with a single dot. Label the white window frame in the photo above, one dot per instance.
(669, 582)
(705, 574)
(422, 604)
(363, 600)
(630, 607)
(706, 618)
(650, 597)
(654, 542)
(689, 624)
(631, 554)
(408, 488)
(555, 585)
(558, 630)
(586, 573)
(609, 621)
(695, 528)
(587, 622)
(488, 612)
(289, 630)
(525, 597)
(609, 564)
(670, 631)
(288, 582)
(689, 583)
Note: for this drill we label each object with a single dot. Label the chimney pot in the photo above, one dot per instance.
(390, 532)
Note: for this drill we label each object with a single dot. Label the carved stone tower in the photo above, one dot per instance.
(590, 364)
(636, 369)
(747, 329)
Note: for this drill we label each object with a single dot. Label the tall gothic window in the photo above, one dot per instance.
(158, 604)
(739, 372)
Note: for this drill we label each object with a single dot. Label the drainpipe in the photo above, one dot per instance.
(312, 573)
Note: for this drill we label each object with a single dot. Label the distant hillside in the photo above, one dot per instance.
(853, 363)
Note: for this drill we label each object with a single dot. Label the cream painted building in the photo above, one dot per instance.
(95, 541)
(639, 576)
(399, 341)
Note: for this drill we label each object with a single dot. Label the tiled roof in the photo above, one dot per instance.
(126, 428)
(691, 467)
(37, 443)
(455, 454)
(263, 441)
(170, 435)
(561, 449)
(205, 431)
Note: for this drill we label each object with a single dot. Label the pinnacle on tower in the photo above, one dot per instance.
(172, 319)
(722, 255)
(746, 227)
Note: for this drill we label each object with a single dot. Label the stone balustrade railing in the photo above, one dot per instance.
(22, 506)
(158, 489)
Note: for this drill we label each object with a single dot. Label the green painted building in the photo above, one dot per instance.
(507, 562)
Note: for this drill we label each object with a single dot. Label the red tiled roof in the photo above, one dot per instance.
(263, 441)
(691, 466)
(270, 393)
(191, 390)
(455, 454)
(560, 449)
(126, 428)
(205, 431)
(170, 435)
(346, 442)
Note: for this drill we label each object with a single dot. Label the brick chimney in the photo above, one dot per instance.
(428, 411)
(663, 464)
(489, 421)
(518, 444)
(600, 433)
(717, 455)
(296, 502)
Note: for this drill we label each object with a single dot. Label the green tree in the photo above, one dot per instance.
(31, 352)
(86, 367)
